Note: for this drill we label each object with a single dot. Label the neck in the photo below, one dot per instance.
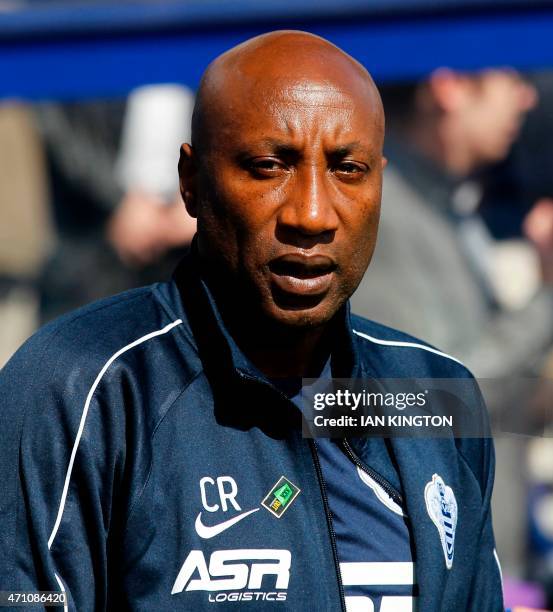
(288, 355)
(278, 351)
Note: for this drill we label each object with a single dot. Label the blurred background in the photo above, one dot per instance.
(96, 97)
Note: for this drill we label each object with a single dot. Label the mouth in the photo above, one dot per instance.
(301, 275)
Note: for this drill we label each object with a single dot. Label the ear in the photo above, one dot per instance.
(187, 179)
(448, 89)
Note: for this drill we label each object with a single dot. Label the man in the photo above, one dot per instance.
(433, 243)
(161, 462)
(149, 221)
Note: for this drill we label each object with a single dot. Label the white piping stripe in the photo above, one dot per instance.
(407, 344)
(85, 412)
(498, 566)
(65, 603)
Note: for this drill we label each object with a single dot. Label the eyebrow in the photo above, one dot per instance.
(277, 144)
(280, 147)
(348, 148)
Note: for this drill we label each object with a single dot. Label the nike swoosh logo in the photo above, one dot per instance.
(210, 531)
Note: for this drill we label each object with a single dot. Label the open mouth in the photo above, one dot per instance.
(302, 267)
(300, 276)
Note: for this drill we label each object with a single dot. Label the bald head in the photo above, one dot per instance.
(252, 72)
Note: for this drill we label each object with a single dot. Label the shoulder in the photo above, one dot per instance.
(69, 354)
(123, 359)
(402, 354)
(395, 354)
(100, 328)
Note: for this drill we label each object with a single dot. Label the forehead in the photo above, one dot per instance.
(299, 108)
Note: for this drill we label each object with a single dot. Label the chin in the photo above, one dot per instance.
(298, 317)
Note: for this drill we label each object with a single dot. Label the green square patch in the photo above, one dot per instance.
(280, 497)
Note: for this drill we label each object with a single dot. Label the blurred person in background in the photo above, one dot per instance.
(25, 225)
(518, 201)
(433, 243)
(478, 299)
(80, 141)
(151, 219)
(117, 209)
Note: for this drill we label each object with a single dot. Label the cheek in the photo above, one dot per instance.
(247, 204)
(363, 220)
(360, 241)
(243, 236)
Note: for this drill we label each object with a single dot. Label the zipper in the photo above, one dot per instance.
(322, 485)
(252, 379)
(382, 482)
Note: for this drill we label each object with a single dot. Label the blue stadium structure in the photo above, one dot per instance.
(81, 48)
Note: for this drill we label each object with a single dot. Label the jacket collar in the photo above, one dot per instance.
(231, 373)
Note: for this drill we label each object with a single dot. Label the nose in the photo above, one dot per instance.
(309, 209)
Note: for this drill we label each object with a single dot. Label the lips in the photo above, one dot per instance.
(302, 275)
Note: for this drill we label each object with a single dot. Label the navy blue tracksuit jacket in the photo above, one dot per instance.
(138, 444)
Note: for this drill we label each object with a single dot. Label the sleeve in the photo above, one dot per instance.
(514, 342)
(484, 575)
(487, 587)
(61, 457)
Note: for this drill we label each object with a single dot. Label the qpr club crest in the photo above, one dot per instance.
(442, 508)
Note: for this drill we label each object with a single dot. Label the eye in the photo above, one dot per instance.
(350, 170)
(265, 167)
